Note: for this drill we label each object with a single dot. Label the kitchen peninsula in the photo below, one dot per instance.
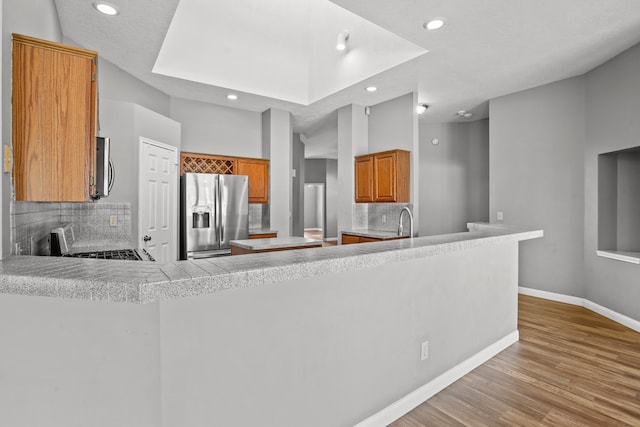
(193, 343)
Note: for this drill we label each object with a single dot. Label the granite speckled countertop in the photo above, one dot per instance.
(376, 234)
(144, 282)
(275, 243)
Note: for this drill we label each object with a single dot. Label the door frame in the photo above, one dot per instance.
(173, 254)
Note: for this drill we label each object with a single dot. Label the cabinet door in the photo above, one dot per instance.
(384, 177)
(53, 101)
(258, 172)
(364, 179)
(348, 239)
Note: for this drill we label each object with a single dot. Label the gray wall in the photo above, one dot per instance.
(613, 102)
(454, 176)
(391, 124)
(118, 85)
(36, 18)
(537, 179)
(214, 129)
(348, 340)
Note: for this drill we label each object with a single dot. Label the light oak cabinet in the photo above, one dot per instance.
(258, 172)
(263, 236)
(54, 120)
(348, 239)
(383, 177)
(364, 179)
(256, 169)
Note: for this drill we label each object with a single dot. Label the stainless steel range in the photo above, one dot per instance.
(61, 244)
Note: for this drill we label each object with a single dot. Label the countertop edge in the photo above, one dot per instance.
(77, 278)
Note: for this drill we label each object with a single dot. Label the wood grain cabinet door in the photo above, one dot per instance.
(54, 114)
(258, 172)
(364, 179)
(384, 177)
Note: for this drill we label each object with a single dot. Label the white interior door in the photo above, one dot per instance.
(157, 200)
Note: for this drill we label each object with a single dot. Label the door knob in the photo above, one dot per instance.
(146, 238)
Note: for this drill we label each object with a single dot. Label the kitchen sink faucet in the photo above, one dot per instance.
(410, 222)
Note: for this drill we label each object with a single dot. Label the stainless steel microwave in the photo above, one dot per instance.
(104, 172)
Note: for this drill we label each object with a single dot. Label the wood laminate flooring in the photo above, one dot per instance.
(571, 367)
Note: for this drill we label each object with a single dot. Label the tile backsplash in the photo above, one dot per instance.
(31, 223)
(377, 216)
(259, 216)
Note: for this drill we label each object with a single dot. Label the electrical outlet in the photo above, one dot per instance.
(113, 220)
(384, 219)
(500, 216)
(424, 351)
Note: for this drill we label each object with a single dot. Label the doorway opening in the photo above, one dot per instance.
(314, 211)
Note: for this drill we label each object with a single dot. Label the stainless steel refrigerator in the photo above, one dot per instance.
(214, 211)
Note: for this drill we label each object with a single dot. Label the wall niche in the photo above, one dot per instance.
(619, 205)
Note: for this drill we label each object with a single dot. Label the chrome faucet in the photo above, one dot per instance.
(405, 209)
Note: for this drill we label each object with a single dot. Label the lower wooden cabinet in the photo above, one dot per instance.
(264, 236)
(348, 239)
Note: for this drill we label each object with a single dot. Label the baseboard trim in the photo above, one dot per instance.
(582, 302)
(400, 407)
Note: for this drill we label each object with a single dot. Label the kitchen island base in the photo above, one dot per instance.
(347, 337)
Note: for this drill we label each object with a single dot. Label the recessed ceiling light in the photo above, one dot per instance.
(106, 8)
(232, 97)
(371, 89)
(434, 24)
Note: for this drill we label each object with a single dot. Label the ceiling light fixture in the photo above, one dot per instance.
(421, 108)
(371, 88)
(106, 8)
(232, 97)
(434, 24)
(342, 40)
(463, 113)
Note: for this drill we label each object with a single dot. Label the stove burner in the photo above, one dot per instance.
(120, 254)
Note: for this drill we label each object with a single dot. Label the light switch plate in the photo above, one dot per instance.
(6, 156)
(113, 220)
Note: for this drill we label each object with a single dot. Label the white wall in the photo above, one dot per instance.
(613, 102)
(537, 179)
(454, 176)
(214, 129)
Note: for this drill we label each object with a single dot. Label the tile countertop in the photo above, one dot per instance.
(275, 243)
(143, 282)
(376, 234)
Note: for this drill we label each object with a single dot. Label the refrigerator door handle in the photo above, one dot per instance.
(220, 212)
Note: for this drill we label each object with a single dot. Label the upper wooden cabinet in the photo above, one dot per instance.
(54, 120)
(364, 179)
(258, 172)
(383, 177)
(256, 169)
